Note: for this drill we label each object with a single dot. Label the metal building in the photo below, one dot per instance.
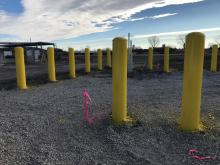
(33, 51)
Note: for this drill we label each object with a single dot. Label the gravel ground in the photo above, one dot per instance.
(44, 125)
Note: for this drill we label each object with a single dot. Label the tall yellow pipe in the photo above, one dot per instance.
(150, 59)
(119, 80)
(20, 68)
(51, 64)
(166, 64)
(192, 82)
(214, 58)
(99, 59)
(72, 66)
(108, 58)
(87, 60)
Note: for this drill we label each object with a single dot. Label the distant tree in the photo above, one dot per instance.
(154, 41)
(211, 44)
(82, 50)
(217, 40)
(181, 40)
(87, 46)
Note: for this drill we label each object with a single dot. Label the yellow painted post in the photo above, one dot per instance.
(192, 82)
(119, 80)
(150, 59)
(99, 59)
(166, 64)
(108, 58)
(87, 60)
(20, 68)
(214, 58)
(72, 66)
(51, 64)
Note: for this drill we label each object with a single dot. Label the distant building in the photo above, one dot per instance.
(33, 51)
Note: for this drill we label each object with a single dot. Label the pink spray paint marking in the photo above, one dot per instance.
(87, 99)
(192, 151)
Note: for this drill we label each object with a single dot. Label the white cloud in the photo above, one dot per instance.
(55, 19)
(178, 32)
(163, 15)
(118, 20)
(169, 38)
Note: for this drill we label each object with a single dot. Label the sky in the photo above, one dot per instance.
(94, 23)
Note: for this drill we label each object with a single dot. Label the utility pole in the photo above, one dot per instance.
(130, 54)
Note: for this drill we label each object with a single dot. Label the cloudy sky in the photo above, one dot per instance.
(94, 23)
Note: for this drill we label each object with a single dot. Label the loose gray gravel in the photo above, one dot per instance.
(44, 125)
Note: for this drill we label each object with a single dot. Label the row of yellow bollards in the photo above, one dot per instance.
(99, 63)
(166, 64)
(99, 59)
(166, 68)
(192, 80)
(21, 80)
(20, 64)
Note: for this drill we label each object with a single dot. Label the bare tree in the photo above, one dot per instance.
(87, 46)
(181, 39)
(154, 41)
(217, 40)
(211, 44)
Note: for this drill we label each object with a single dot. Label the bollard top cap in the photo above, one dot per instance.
(18, 47)
(120, 38)
(215, 45)
(196, 34)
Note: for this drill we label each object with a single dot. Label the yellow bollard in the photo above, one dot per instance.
(72, 66)
(192, 82)
(20, 68)
(214, 58)
(166, 64)
(150, 59)
(51, 64)
(87, 60)
(108, 58)
(119, 80)
(99, 59)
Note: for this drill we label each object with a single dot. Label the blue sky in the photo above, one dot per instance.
(94, 23)
(11, 6)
